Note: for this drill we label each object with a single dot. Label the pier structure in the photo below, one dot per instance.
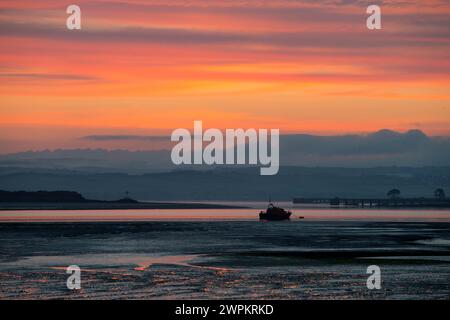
(376, 202)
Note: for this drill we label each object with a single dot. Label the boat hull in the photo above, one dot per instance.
(273, 217)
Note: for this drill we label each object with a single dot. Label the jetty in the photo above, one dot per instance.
(377, 202)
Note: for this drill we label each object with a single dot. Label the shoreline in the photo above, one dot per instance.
(22, 206)
(105, 205)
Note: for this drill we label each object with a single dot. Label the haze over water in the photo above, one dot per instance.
(245, 214)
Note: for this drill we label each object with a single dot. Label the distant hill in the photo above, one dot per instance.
(383, 148)
(41, 196)
(237, 183)
(311, 166)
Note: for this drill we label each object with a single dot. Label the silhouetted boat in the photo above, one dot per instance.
(274, 213)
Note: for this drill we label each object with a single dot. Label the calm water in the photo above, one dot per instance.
(192, 254)
(248, 214)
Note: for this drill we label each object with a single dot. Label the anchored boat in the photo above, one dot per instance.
(274, 213)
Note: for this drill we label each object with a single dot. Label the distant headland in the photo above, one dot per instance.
(70, 200)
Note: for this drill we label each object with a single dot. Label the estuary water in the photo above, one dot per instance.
(225, 254)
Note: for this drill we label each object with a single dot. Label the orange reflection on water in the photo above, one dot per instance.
(215, 215)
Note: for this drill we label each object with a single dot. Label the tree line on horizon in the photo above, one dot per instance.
(395, 193)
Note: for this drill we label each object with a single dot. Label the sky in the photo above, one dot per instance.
(148, 67)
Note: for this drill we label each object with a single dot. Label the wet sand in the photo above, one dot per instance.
(225, 259)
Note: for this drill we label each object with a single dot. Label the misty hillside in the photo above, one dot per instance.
(382, 148)
(237, 184)
(312, 166)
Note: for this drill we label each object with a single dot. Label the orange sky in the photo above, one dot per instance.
(148, 67)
